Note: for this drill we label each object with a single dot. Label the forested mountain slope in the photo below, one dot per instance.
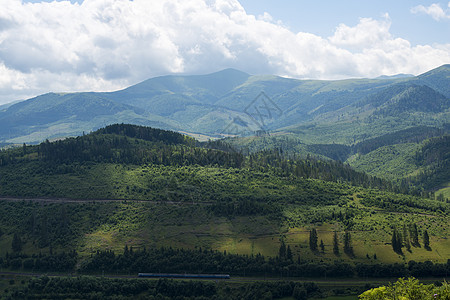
(228, 103)
(143, 187)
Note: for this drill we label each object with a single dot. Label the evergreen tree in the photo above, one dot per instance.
(282, 250)
(348, 248)
(313, 239)
(405, 234)
(335, 244)
(406, 239)
(408, 244)
(413, 232)
(289, 255)
(396, 241)
(322, 246)
(426, 240)
(16, 244)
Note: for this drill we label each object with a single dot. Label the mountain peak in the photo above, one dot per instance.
(230, 72)
(217, 83)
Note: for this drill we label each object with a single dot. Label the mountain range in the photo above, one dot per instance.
(231, 103)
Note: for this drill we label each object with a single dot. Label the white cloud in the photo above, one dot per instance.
(108, 44)
(368, 33)
(434, 10)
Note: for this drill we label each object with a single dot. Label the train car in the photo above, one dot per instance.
(190, 276)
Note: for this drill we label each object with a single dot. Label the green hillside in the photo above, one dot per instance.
(393, 161)
(157, 192)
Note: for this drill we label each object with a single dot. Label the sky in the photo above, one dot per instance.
(106, 45)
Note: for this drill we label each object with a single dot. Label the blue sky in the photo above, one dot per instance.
(322, 17)
(105, 45)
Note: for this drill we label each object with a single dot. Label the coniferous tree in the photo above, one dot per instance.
(322, 246)
(282, 250)
(335, 244)
(289, 255)
(413, 232)
(408, 244)
(396, 241)
(313, 239)
(405, 234)
(426, 240)
(348, 248)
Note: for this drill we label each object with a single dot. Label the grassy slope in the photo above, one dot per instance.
(193, 224)
(444, 191)
(238, 210)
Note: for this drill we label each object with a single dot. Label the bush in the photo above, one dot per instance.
(407, 289)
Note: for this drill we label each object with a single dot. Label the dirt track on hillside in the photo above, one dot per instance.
(68, 200)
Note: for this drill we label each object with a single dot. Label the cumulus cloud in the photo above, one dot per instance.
(109, 44)
(434, 10)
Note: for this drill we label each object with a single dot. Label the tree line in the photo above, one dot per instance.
(168, 260)
(87, 287)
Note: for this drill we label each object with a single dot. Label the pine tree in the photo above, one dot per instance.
(426, 240)
(413, 232)
(396, 241)
(282, 250)
(408, 244)
(322, 246)
(289, 255)
(406, 240)
(348, 248)
(313, 239)
(335, 244)
(405, 234)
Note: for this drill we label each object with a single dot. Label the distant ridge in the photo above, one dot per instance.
(397, 76)
(208, 105)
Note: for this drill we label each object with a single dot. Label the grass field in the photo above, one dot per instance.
(151, 225)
